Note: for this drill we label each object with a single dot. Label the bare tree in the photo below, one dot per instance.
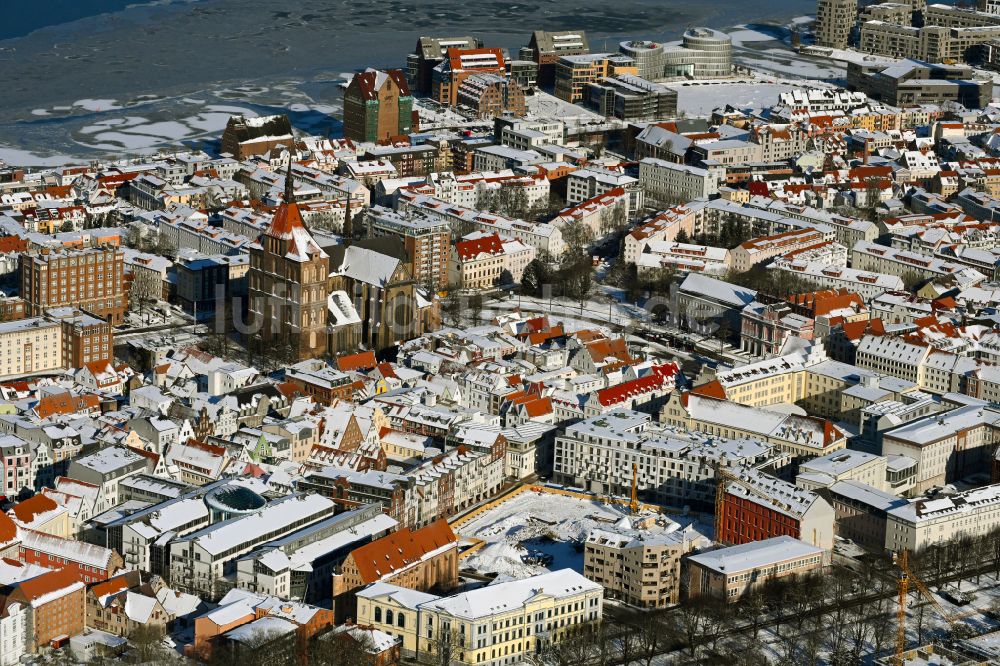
(751, 609)
(146, 287)
(446, 645)
(576, 645)
(691, 619)
(651, 636)
(452, 306)
(340, 649)
(146, 645)
(476, 308)
(165, 246)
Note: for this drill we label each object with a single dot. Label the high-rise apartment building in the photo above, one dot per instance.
(834, 20)
(573, 73)
(545, 48)
(425, 239)
(85, 339)
(377, 106)
(89, 279)
(429, 53)
(287, 283)
(460, 65)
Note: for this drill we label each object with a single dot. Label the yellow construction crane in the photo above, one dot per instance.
(906, 576)
(634, 504)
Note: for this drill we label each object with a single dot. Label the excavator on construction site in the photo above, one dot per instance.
(907, 578)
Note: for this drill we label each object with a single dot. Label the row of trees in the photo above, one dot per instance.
(156, 243)
(843, 616)
(513, 202)
(772, 282)
(730, 234)
(572, 278)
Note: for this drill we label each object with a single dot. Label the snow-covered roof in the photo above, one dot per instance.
(505, 597)
(962, 504)
(865, 494)
(404, 596)
(109, 460)
(936, 427)
(756, 555)
(249, 528)
(368, 266)
(139, 607)
(266, 627)
(839, 462)
(718, 290)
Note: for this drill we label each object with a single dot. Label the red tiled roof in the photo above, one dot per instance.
(47, 583)
(608, 348)
(855, 330)
(400, 549)
(355, 362)
(287, 218)
(65, 403)
(148, 455)
(713, 389)
(619, 393)
(110, 586)
(470, 249)
(27, 510)
(290, 390)
(541, 336)
(8, 530)
(13, 244)
(455, 59)
(214, 450)
(538, 407)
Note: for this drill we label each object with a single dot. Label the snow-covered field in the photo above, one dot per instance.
(542, 523)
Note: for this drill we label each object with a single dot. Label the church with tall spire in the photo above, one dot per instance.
(287, 282)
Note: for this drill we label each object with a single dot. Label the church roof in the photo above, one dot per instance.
(287, 224)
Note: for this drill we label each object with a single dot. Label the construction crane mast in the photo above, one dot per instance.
(904, 588)
(906, 577)
(634, 504)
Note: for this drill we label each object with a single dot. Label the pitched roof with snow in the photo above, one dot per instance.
(70, 549)
(504, 597)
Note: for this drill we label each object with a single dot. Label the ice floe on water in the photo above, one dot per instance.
(16, 157)
(97, 104)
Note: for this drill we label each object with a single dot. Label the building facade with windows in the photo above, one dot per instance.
(377, 106)
(729, 573)
(496, 625)
(89, 278)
